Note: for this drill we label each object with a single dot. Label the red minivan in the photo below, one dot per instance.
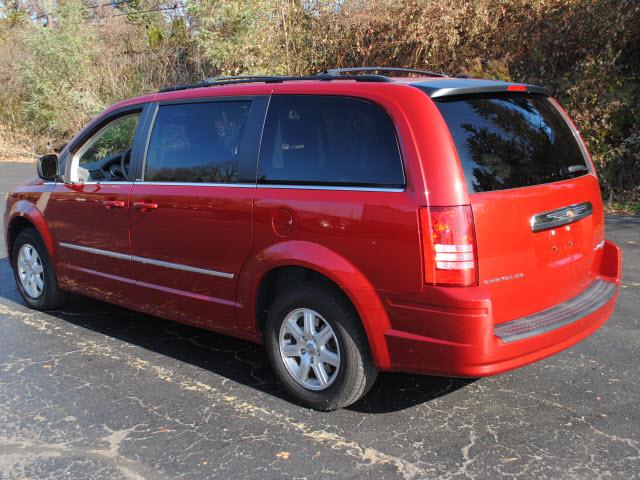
(352, 222)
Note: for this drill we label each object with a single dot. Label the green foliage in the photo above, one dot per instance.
(12, 15)
(238, 37)
(59, 75)
(587, 52)
(116, 139)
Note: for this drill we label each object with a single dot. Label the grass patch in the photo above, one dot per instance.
(623, 208)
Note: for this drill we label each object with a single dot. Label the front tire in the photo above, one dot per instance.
(318, 348)
(34, 273)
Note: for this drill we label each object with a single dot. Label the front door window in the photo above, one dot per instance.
(106, 155)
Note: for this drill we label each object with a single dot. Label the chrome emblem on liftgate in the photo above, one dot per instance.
(561, 216)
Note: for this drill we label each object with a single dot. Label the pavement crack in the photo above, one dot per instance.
(366, 455)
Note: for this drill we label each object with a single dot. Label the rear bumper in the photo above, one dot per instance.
(457, 336)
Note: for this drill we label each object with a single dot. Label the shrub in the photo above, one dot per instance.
(587, 52)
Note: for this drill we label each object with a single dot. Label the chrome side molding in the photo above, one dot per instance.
(561, 216)
(178, 266)
(96, 251)
(148, 261)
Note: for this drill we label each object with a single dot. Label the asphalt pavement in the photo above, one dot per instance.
(94, 391)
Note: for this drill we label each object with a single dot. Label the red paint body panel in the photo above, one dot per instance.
(550, 265)
(454, 335)
(199, 226)
(336, 268)
(367, 242)
(343, 235)
(81, 215)
(28, 202)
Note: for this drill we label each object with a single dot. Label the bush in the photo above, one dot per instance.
(62, 85)
(587, 52)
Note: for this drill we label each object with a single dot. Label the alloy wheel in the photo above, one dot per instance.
(309, 349)
(30, 271)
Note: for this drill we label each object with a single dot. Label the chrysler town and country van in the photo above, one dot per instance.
(352, 222)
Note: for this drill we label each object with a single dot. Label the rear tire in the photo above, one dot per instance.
(34, 273)
(326, 366)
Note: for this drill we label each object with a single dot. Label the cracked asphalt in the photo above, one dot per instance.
(98, 392)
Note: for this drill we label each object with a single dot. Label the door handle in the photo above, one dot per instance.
(111, 204)
(145, 206)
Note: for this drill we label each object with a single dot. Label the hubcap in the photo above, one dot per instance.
(309, 349)
(30, 271)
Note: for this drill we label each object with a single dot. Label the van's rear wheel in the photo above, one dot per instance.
(318, 348)
(33, 271)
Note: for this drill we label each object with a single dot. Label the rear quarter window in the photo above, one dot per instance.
(511, 140)
(329, 140)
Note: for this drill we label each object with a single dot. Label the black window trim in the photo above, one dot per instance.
(151, 120)
(336, 186)
(575, 133)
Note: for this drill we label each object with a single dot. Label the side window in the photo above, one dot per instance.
(197, 142)
(106, 155)
(328, 140)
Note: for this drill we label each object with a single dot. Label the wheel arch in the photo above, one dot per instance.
(294, 261)
(25, 215)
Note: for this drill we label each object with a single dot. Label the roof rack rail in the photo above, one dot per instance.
(217, 81)
(340, 71)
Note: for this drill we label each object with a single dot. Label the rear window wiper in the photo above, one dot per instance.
(577, 168)
(574, 170)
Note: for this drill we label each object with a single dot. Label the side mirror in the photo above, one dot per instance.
(48, 167)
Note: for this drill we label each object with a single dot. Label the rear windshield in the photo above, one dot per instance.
(511, 140)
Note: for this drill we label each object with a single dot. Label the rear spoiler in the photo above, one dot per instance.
(448, 87)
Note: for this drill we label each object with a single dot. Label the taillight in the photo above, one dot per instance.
(449, 246)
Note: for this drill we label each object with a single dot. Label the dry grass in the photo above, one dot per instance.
(18, 147)
(9, 159)
(586, 51)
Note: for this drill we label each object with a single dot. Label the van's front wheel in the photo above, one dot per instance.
(34, 273)
(318, 348)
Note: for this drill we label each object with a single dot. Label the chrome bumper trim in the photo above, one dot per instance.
(587, 302)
